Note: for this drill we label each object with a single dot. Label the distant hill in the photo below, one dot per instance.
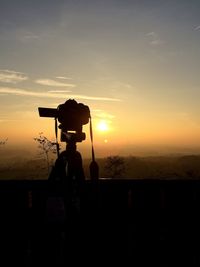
(30, 166)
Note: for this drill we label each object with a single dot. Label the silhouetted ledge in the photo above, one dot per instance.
(154, 222)
(43, 183)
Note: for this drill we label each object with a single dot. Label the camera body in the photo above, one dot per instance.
(71, 116)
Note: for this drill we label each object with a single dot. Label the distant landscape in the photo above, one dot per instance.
(164, 167)
(34, 166)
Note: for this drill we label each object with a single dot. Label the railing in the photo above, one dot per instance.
(152, 222)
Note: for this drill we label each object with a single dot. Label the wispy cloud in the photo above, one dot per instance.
(10, 76)
(26, 36)
(197, 28)
(50, 82)
(30, 36)
(59, 91)
(155, 40)
(102, 114)
(22, 92)
(63, 78)
(153, 34)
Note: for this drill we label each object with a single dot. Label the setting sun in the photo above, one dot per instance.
(102, 126)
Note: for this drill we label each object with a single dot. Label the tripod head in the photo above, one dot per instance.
(71, 116)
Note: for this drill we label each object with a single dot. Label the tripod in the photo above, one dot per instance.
(69, 175)
(68, 172)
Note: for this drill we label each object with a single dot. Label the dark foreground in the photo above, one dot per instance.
(124, 222)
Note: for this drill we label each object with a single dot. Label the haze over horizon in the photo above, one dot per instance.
(134, 63)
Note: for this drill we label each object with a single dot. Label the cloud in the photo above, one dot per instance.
(153, 34)
(22, 92)
(50, 82)
(63, 78)
(59, 91)
(29, 36)
(10, 76)
(102, 114)
(197, 28)
(155, 40)
(26, 36)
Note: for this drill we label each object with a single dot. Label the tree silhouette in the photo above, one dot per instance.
(115, 166)
(4, 142)
(46, 146)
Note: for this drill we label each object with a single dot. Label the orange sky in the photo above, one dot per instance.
(134, 64)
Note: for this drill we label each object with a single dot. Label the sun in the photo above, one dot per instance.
(102, 126)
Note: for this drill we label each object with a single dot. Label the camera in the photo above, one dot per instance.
(71, 116)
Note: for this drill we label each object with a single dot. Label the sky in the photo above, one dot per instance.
(134, 63)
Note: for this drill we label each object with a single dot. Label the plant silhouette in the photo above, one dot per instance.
(115, 166)
(3, 142)
(46, 146)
